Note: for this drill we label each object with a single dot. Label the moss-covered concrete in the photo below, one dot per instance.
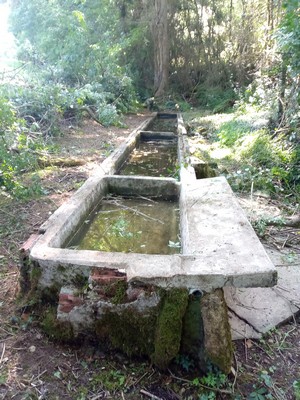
(60, 331)
(128, 330)
(192, 343)
(169, 327)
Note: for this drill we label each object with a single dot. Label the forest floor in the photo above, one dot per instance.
(34, 367)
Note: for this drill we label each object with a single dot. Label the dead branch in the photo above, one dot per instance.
(91, 114)
(222, 391)
(293, 221)
(148, 394)
(59, 162)
(135, 211)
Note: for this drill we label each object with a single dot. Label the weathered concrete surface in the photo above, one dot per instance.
(217, 335)
(219, 246)
(216, 232)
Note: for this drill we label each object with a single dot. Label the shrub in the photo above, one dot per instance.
(108, 115)
(261, 149)
(16, 153)
(216, 98)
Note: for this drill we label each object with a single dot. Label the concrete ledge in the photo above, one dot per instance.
(216, 231)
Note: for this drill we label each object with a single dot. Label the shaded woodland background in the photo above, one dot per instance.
(102, 59)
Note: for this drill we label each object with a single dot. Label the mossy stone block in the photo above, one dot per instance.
(169, 327)
(217, 333)
(57, 330)
(129, 330)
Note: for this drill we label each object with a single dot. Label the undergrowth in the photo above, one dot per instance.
(249, 154)
(31, 113)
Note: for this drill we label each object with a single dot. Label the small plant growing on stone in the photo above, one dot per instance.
(184, 362)
(174, 245)
(296, 387)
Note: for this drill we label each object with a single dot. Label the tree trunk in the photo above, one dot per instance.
(161, 47)
(281, 98)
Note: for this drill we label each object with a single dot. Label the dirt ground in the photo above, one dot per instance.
(32, 366)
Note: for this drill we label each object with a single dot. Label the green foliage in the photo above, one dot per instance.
(258, 394)
(230, 132)
(266, 387)
(7, 115)
(43, 106)
(265, 162)
(185, 362)
(260, 149)
(260, 225)
(216, 98)
(30, 113)
(262, 93)
(293, 168)
(214, 380)
(16, 154)
(108, 115)
(86, 48)
(296, 386)
(289, 34)
(3, 377)
(65, 77)
(110, 379)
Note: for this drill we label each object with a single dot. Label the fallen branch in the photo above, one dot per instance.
(222, 391)
(3, 352)
(59, 162)
(135, 211)
(91, 114)
(148, 394)
(293, 221)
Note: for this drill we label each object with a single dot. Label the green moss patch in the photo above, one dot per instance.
(129, 330)
(192, 343)
(57, 330)
(169, 327)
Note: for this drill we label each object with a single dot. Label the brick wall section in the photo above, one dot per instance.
(104, 276)
(67, 301)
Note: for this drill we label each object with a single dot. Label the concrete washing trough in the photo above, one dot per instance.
(158, 305)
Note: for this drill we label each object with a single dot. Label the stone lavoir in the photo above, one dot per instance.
(157, 303)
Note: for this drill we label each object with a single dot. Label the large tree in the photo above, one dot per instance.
(180, 46)
(161, 47)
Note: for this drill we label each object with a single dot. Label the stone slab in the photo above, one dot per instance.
(255, 311)
(240, 329)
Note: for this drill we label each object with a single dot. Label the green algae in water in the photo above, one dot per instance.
(131, 225)
(152, 159)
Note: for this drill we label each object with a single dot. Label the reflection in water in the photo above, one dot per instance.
(163, 125)
(152, 159)
(131, 225)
